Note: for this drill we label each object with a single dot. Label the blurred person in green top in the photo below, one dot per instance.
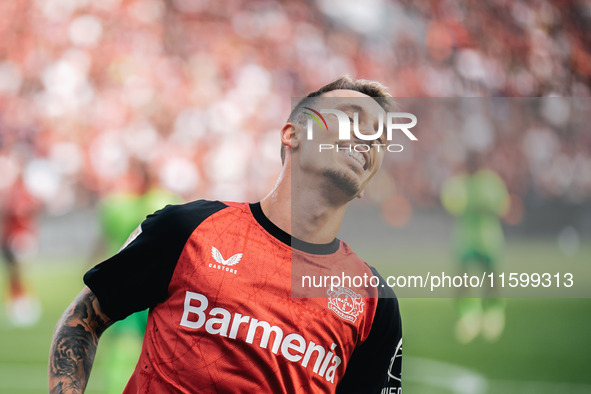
(478, 199)
(120, 213)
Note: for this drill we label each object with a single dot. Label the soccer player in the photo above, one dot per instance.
(217, 277)
(478, 198)
(120, 212)
(19, 234)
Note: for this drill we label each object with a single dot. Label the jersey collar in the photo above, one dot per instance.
(287, 239)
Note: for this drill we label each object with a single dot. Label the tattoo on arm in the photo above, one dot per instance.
(74, 344)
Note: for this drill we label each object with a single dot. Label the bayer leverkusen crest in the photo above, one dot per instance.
(345, 303)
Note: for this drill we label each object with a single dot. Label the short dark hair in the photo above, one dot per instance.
(372, 89)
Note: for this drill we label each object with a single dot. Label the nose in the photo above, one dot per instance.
(366, 131)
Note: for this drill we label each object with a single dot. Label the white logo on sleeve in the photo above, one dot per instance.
(396, 363)
(223, 264)
(132, 237)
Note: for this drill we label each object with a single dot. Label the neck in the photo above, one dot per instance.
(302, 210)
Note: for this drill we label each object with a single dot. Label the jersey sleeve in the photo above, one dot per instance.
(137, 277)
(376, 364)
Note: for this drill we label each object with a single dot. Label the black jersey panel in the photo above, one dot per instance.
(371, 369)
(138, 276)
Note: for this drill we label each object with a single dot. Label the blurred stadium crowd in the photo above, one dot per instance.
(197, 90)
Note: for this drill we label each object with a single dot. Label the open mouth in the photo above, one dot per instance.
(360, 157)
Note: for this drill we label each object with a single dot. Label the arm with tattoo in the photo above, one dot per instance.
(74, 344)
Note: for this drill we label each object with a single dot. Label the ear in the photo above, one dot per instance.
(288, 136)
(361, 194)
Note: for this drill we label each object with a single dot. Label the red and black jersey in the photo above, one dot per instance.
(20, 213)
(217, 278)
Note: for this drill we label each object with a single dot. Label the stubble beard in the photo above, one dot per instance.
(342, 181)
